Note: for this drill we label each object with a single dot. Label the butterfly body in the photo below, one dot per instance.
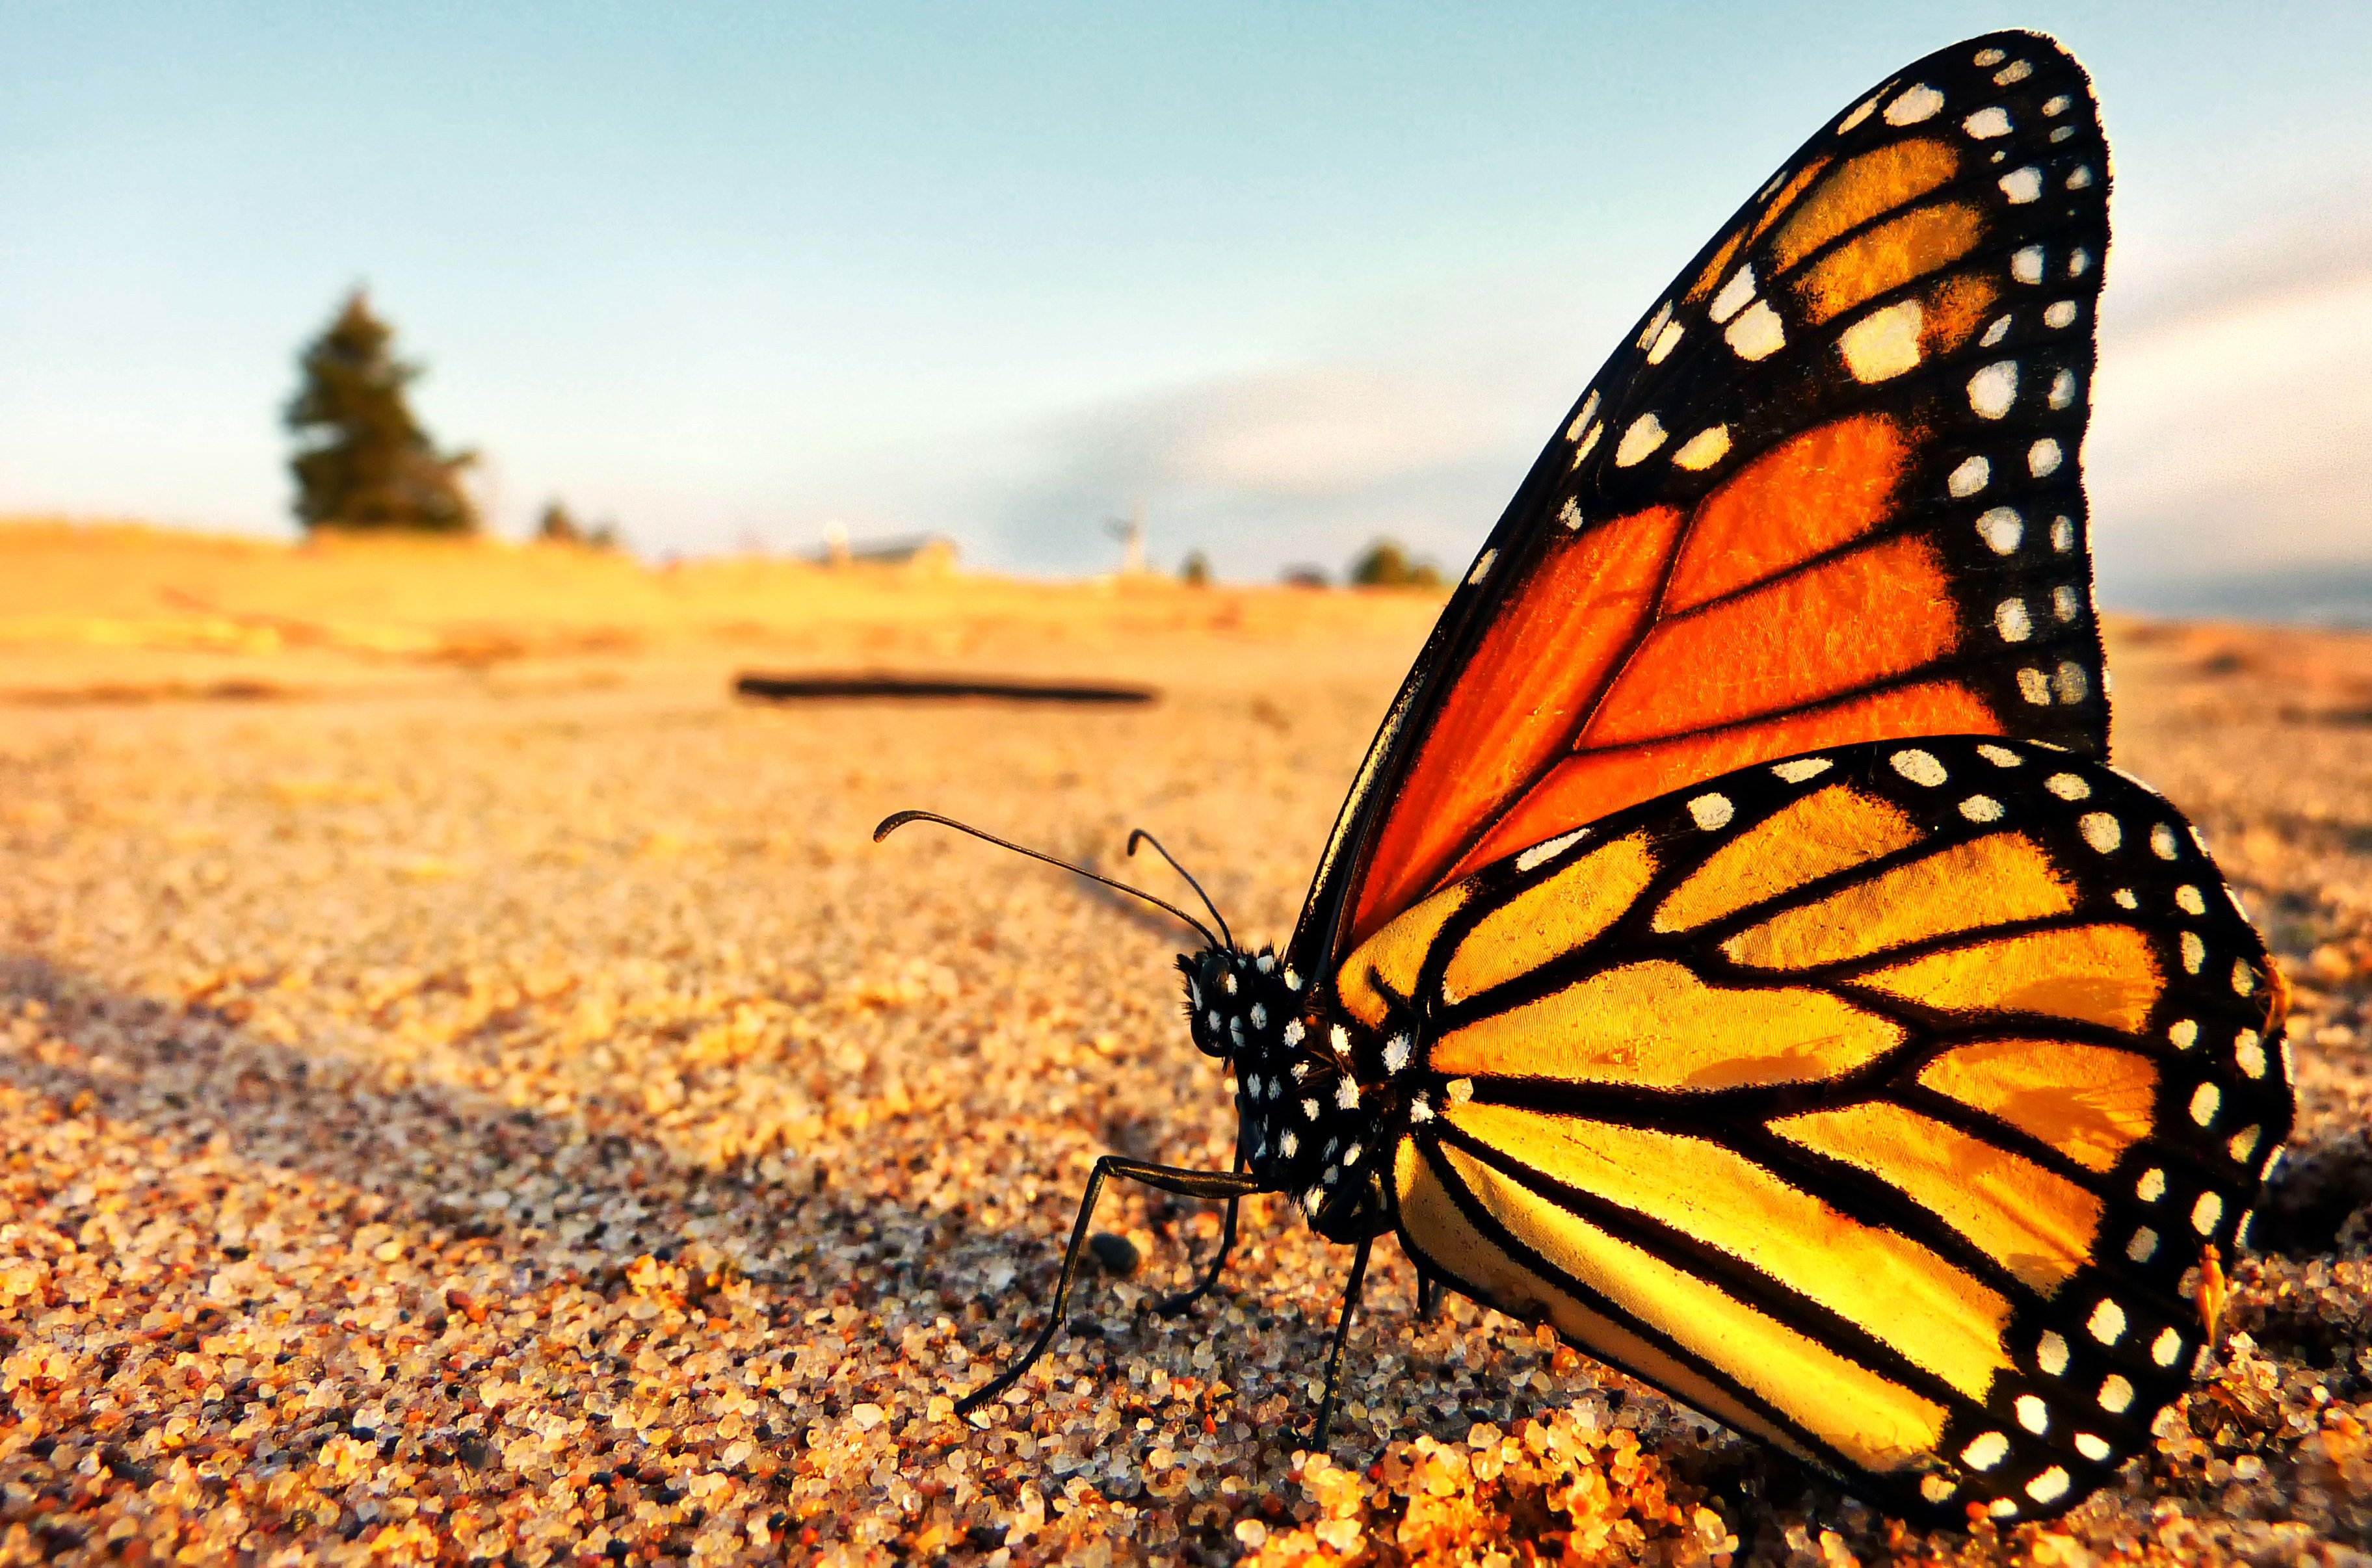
(1734, 950)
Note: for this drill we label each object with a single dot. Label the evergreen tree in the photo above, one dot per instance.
(362, 459)
(1196, 573)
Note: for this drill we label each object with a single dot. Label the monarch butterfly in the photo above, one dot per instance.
(1735, 952)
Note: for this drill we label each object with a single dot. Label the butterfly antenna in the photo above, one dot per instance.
(891, 823)
(1138, 834)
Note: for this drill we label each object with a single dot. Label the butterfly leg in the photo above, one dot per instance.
(1227, 1184)
(1429, 1291)
(1179, 1303)
(1341, 1332)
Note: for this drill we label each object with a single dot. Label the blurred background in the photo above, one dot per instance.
(1254, 284)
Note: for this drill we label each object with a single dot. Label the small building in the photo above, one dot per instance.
(932, 554)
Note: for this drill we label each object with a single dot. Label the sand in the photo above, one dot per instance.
(501, 1107)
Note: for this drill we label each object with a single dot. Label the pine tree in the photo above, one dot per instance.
(362, 459)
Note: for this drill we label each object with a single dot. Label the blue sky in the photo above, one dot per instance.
(1290, 275)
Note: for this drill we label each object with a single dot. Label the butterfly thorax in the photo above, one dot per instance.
(1305, 1125)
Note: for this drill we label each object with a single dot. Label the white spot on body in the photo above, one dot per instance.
(1289, 1143)
(1734, 295)
(1883, 344)
(1915, 104)
(1265, 963)
(1293, 1031)
(1339, 1038)
(1711, 811)
(1260, 1017)
(1646, 434)
(1757, 333)
(1919, 767)
(1309, 1109)
(1351, 1155)
(1969, 478)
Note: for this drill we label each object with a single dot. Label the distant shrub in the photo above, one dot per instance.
(1196, 573)
(1304, 576)
(559, 525)
(362, 459)
(1386, 565)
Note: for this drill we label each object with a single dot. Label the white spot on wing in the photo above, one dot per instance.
(1482, 567)
(1913, 105)
(1986, 123)
(1582, 416)
(1666, 342)
(2062, 388)
(2000, 756)
(2011, 620)
(1982, 808)
(1985, 1451)
(1919, 767)
(2101, 831)
(1733, 296)
(2026, 266)
(1796, 770)
(1969, 477)
(2022, 185)
(1646, 434)
(2068, 786)
(1541, 853)
(1711, 811)
(2000, 528)
(1703, 449)
(1883, 344)
(1993, 389)
(1757, 333)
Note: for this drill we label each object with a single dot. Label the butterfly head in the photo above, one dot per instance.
(1236, 1001)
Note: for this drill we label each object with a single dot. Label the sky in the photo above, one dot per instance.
(1288, 277)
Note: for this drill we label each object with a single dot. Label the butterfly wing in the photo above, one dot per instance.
(1826, 492)
(1874, 1102)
